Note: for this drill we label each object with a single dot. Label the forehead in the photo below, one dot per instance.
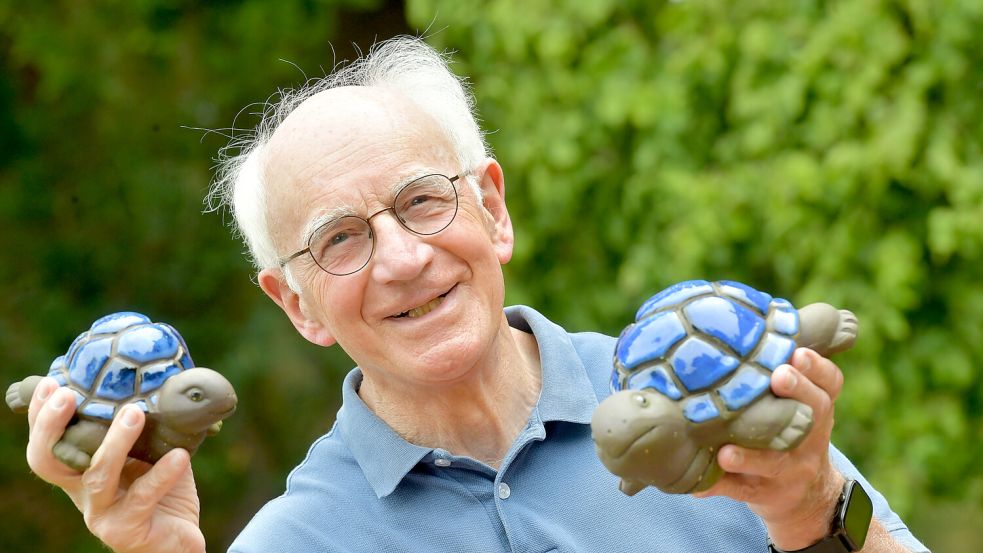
(347, 148)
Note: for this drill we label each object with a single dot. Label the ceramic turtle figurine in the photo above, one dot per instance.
(694, 373)
(126, 358)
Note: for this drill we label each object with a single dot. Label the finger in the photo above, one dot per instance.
(734, 486)
(101, 480)
(820, 370)
(42, 392)
(765, 463)
(49, 425)
(788, 382)
(132, 470)
(146, 493)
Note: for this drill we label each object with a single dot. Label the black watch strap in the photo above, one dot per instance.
(829, 544)
(848, 529)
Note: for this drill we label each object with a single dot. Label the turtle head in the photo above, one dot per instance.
(195, 399)
(642, 436)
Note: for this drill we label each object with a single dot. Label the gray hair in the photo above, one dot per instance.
(403, 64)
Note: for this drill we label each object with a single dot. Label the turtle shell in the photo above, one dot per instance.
(709, 346)
(123, 358)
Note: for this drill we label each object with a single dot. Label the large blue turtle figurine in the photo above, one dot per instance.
(694, 373)
(125, 358)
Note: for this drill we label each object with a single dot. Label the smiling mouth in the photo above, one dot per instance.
(423, 309)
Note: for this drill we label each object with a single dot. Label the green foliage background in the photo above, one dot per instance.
(819, 150)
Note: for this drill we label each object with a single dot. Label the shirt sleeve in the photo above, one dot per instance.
(882, 511)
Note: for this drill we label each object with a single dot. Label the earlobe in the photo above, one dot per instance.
(313, 330)
(493, 190)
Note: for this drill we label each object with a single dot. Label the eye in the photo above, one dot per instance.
(419, 199)
(196, 395)
(641, 400)
(337, 239)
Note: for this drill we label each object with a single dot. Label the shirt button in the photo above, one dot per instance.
(441, 462)
(504, 491)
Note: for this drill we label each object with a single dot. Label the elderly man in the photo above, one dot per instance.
(379, 223)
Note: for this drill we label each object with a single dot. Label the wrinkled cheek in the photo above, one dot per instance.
(334, 300)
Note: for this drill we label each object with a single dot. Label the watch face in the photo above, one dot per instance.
(856, 515)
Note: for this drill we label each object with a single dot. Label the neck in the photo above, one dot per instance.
(478, 416)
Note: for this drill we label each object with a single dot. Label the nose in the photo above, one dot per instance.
(399, 253)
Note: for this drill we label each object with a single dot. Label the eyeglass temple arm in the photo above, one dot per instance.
(284, 261)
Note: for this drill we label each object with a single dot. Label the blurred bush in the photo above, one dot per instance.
(102, 175)
(821, 150)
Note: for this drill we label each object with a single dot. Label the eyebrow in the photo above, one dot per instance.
(340, 211)
(336, 212)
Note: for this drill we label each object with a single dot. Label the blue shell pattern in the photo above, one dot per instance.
(710, 346)
(123, 358)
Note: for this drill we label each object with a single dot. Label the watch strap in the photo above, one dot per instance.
(829, 544)
(843, 536)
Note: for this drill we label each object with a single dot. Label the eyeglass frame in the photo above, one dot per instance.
(282, 262)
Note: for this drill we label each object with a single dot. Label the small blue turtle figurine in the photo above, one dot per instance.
(694, 373)
(126, 358)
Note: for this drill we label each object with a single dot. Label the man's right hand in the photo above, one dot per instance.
(130, 505)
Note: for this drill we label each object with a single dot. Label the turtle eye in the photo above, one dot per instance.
(641, 400)
(196, 395)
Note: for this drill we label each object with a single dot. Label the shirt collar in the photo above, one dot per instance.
(385, 457)
(567, 393)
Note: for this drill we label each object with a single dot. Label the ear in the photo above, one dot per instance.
(275, 285)
(493, 192)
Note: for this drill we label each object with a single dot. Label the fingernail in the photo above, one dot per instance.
(807, 360)
(43, 392)
(129, 416)
(736, 457)
(790, 378)
(58, 401)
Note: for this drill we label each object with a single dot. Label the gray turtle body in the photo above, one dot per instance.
(694, 373)
(125, 358)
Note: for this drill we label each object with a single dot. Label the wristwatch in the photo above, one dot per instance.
(848, 530)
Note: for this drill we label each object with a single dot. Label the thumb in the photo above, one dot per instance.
(146, 493)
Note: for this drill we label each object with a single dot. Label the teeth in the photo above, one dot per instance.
(425, 308)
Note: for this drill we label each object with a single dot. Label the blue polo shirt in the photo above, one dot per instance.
(364, 488)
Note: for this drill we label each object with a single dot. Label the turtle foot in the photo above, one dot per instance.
(631, 487)
(796, 430)
(19, 394)
(826, 329)
(846, 331)
(14, 400)
(72, 456)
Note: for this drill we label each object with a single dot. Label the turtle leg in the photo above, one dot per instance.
(702, 473)
(19, 393)
(826, 329)
(772, 422)
(79, 443)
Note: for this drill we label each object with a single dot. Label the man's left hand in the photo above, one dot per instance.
(794, 492)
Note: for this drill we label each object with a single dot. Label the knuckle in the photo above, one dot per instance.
(95, 480)
(824, 405)
(747, 492)
(777, 467)
(145, 492)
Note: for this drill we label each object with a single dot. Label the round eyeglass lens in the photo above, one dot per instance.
(342, 246)
(426, 205)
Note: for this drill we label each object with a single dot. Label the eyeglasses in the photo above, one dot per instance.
(344, 245)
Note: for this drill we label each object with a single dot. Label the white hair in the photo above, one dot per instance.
(403, 64)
